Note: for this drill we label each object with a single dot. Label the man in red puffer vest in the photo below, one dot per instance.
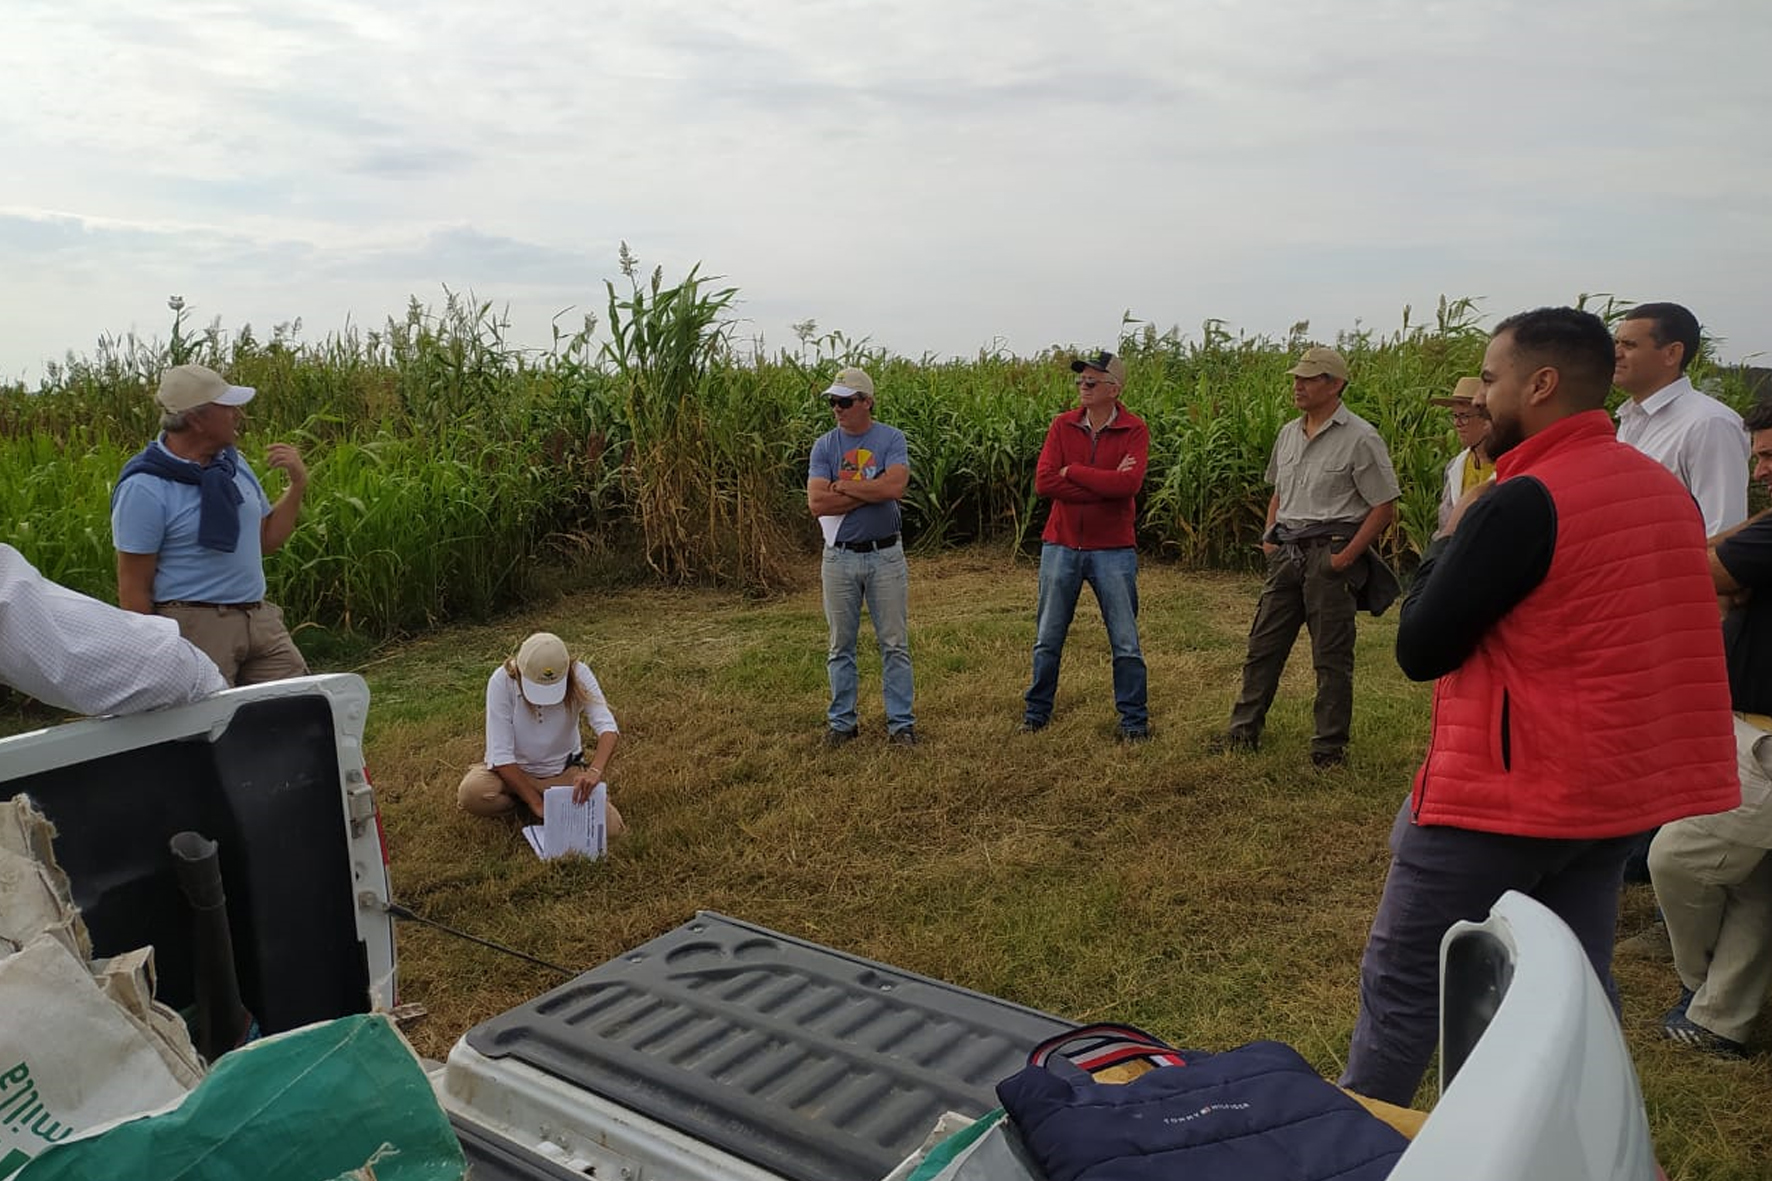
(1568, 611)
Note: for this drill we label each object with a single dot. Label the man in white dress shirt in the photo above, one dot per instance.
(76, 653)
(1688, 432)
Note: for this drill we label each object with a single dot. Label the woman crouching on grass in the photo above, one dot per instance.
(533, 703)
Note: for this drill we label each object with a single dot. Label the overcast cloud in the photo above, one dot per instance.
(936, 175)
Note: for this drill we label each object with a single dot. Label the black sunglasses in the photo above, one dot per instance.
(844, 403)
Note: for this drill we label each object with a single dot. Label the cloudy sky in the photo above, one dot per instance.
(936, 175)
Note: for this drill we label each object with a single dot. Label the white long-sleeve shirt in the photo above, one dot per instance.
(71, 651)
(1698, 439)
(539, 738)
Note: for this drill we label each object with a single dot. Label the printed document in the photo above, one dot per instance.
(567, 827)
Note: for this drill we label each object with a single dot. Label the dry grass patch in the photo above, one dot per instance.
(1212, 898)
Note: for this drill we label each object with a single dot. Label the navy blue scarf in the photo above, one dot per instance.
(218, 521)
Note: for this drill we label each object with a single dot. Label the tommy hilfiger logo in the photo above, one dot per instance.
(1206, 1110)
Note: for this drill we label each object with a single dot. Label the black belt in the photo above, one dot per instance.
(252, 606)
(867, 547)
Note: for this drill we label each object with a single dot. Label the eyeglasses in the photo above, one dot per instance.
(844, 403)
(1089, 383)
(1460, 417)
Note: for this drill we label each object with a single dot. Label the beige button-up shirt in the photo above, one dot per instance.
(1340, 475)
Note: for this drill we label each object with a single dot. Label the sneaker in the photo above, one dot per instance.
(1651, 943)
(1324, 760)
(1680, 1006)
(1033, 725)
(1687, 1032)
(1130, 736)
(834, 737)
(904, 737)
(1232, 744)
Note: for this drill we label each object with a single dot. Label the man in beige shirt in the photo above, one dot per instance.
(1334, 493)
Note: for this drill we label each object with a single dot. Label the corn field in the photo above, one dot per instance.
(453, 474)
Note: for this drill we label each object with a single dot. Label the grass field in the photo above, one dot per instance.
(1212, 899)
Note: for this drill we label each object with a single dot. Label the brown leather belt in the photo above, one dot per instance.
(252, 606)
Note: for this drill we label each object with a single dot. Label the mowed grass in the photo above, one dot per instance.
(1211, 898)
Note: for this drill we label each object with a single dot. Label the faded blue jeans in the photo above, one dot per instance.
(1113, 575)
(882, 581)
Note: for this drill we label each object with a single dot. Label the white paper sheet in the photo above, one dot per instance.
(567, 827)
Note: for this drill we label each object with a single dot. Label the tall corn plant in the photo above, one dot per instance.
(698, 473)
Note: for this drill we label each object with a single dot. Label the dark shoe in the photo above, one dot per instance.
(1232, 744)
(1324, 760)
(904, 737)
(834, 737)
(1033, 725)
(1689, 1033)
(1130, 736)
(1651, 943)
(1680, 1006)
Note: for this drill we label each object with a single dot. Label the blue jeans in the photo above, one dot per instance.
(1113, 575)
(882, 581)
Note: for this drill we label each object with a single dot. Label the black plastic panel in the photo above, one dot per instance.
(268, 791)
(1479, 969)
(811, 1063)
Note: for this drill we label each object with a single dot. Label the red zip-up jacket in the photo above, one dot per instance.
(1096, 505)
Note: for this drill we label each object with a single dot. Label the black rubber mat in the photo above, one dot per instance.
(811, 1063)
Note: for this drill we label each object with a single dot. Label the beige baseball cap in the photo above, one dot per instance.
(186, 387)
(1463, 394)
(1318, 361)
(1102, 362)
(545, 668)
(850, 382)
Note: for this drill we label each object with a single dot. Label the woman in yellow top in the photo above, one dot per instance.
(1472, 466)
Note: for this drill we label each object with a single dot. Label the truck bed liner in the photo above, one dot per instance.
(809, 1062)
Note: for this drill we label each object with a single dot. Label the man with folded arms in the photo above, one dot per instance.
(1091, 466)
(859, 472)
(192, 526)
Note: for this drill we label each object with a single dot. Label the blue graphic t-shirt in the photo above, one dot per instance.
(841, 456)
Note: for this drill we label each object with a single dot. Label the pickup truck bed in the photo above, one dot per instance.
(809, 1063)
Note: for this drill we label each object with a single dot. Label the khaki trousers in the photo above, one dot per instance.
(483, 793)
(1713, 879)
(250, 645)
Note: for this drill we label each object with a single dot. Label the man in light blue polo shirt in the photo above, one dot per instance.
(192, 525)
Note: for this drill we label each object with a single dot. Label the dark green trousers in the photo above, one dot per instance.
(1301, 590)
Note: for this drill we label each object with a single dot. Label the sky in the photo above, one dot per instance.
(934, 176)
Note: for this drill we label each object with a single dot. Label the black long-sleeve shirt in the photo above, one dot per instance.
(1747, 630)
(1500, 552)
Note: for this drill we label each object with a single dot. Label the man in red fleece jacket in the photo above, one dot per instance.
(1091, 468)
